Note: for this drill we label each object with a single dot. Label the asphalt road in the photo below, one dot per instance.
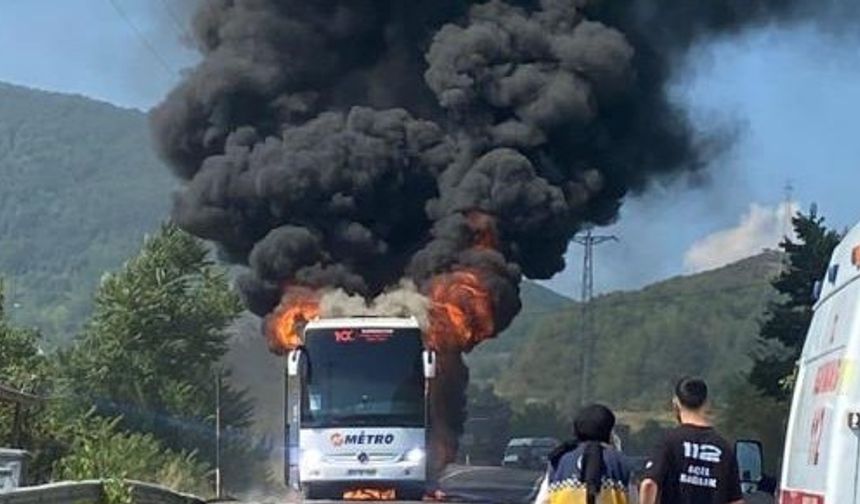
(494, 485)
(481, 485)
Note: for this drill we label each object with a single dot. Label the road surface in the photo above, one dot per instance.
(481, 485)
(490, 484)
(495, 485)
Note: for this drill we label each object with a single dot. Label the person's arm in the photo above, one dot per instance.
(543, 493)
(733, 480)
(655, 473)
(648, 491)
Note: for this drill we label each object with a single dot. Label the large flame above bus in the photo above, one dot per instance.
(299, 305)
(461, 312)
(458, 314)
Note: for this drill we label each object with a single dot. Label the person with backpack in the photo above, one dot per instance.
(693, 464)
(589, 469)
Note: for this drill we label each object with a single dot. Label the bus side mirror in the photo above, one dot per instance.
(750, 457)
(428, 357)
(294, 358)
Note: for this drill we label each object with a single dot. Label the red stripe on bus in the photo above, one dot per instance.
(799, 497)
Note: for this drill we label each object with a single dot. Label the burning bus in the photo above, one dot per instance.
(363, 391)
(357, 409)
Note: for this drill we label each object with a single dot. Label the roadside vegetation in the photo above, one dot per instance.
(133, 396)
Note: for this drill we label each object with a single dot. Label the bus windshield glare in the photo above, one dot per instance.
(363, 377)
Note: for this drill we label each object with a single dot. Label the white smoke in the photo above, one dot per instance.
(761, 228)
(402, 301)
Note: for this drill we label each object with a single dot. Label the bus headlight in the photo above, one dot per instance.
(415, 455)
(311, 459)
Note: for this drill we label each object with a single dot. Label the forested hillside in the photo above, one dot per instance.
(489, 357)
(79, 188)
(703, 324)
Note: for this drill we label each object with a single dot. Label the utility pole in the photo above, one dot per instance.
(587, 338)
(787, 225)
(787, 209)
(218, 493)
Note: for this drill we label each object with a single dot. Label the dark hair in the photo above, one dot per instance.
(593, 426)
(691, 392)
(594, 423)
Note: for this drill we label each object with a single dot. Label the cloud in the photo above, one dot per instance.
(762, 227)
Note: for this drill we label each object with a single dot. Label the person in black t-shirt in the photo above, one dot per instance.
(693, 464)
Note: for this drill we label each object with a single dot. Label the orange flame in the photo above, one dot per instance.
(484, 227)
(461, 312)
(298, 306)
(436, 496)
(370, 494)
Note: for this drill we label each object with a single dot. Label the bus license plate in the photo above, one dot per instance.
(361, 472)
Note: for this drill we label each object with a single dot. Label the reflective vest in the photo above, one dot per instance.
(564, 485)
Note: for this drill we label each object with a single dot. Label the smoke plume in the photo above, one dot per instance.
(349, 144)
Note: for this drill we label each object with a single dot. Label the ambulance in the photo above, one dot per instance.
(821, 462)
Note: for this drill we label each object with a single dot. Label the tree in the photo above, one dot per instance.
(151, 351)
(766, 425)
(25, 368)
(486, 429)
(540, 420)
(22, 364)
(784, 330)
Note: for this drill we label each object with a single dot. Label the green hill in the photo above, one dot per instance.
(703, 324)
(491, 356)
(79, 188)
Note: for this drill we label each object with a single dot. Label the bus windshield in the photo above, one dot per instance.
(363, 377)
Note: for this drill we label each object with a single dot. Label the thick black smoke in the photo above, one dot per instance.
(528, 114)
(350, 143)
(343, 143)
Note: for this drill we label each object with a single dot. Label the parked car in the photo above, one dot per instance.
(528, 453)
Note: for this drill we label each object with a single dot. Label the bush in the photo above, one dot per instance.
(751, 414)
(98, 450)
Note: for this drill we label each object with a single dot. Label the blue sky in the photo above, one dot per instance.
(791, 95)
(87, 47)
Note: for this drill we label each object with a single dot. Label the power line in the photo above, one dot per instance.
(183, 30)
(139, 33)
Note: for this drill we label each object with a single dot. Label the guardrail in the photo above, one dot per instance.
(92, 492)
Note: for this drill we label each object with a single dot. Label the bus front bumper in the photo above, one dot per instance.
(394, 471)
